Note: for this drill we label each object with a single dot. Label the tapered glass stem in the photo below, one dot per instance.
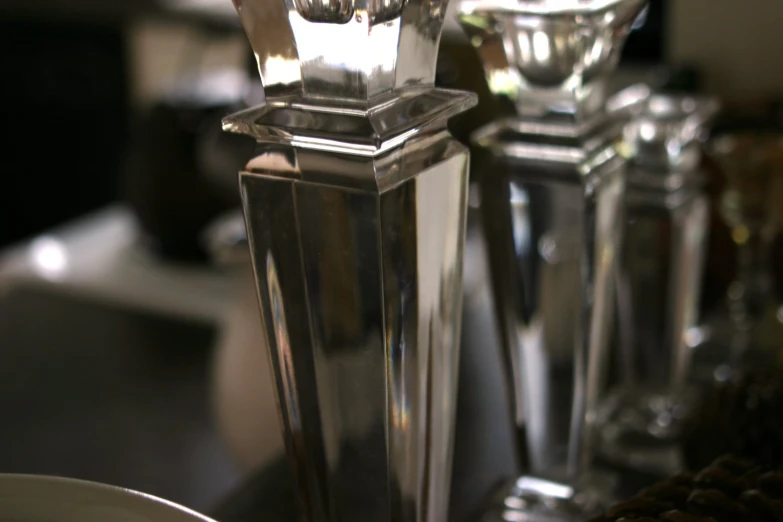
(552, 244)
(355, 207)
(552, 186)
(361, 297)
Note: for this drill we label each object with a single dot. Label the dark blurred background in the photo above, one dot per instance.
(85, 85)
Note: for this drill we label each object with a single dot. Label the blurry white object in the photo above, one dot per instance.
(244, 398)
(53, 499)
(100, 257)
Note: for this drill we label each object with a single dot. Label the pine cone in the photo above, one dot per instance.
(729, 490)
(743, 417)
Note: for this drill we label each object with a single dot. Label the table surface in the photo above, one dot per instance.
(107, 394)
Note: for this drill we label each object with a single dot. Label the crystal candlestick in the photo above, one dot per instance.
(355, 206)
(552, 183)
(661, 261)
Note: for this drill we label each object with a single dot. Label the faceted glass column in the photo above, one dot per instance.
(355, 205)
(660, 275)
(552, 183)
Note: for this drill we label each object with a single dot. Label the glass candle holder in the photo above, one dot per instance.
(552, 183)
(660, 269)
(355, 204)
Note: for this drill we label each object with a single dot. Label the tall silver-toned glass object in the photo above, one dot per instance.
(355, 205)
(552, 183)
(660, 271)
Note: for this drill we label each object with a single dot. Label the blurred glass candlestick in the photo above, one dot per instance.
(660, 275)
(552, 184)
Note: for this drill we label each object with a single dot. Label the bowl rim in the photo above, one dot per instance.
(71, 491)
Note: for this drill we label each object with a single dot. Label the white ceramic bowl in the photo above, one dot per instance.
(33, 498)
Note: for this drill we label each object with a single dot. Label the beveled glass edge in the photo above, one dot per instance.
(573, 147)
(665, 181)
(380, 115)
(368, 174)
(664, 198)
(564, 141)
(687, 127)
(694, 114)
(620, 106)
(630, 100)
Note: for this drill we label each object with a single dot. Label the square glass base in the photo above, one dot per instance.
(642, 430)
(533, 499)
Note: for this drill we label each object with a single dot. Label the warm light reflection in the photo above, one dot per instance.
(596, 52)
(279, 70)
(694, 337)
(49, 256)
(541, 46)
(647, 131)
(545, 487)
(502, 81)
(523, 46)
(325, 44)
(661, 106)
(740, 234)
